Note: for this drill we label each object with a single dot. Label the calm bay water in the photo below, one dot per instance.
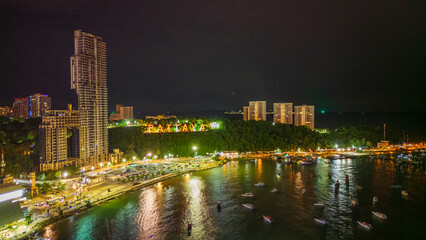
(163, 211)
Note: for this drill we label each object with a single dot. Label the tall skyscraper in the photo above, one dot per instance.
(304, 115)
(255, 111)
(39, 103)
(89, 80)
(283, 113)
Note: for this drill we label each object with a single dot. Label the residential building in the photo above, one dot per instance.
(21, 108)
(38, 104)
(283, 113)
(122, 113)
(53, 138)
(255, 111)
(304, 115)
(89, 80)
(246, 113)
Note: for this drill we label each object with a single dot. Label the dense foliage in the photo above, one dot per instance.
(19, 139)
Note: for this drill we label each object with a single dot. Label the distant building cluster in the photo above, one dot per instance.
(32, 106)
(283, 113)
(121, 113)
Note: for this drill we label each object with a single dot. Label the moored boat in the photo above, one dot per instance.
(365, 225)
(274, 190)
(375, 200)
(404, 193)
(268, 219)
(319, 204)
(248, 205)
(247, 195)
(354, 203)
(320, 220)
(379, 215)
(261, 184)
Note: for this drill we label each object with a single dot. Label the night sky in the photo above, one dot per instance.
(217, 55)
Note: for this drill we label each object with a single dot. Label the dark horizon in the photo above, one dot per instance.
(202, 56)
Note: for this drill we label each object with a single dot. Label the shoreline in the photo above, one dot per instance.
(82, 207)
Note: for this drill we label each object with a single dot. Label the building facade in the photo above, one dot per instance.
(89, 80)
(122, 113)
(304, 115)
(39, 104)
(21, 108)
(283, 113)
(246, 113)
(5, 111)
(53, 138)
(256, 111)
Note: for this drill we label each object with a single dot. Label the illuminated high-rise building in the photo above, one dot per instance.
(39, 104)
(256, 111)
(283, 113)
(89, 80)
(304, 115)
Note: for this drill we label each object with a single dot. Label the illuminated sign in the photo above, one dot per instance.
(181, 127)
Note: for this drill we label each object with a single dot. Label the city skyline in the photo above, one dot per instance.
(226, 58)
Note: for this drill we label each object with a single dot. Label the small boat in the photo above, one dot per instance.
(354, 203)
(274, 190)
(320, 220)
(404, 193)
(248, 205)
(375, 200)
(319, 204)
(268, 219)
(365, 225)
(379, 215)
(307, 163)
(396, 186)
(261, 184)
(247, 194)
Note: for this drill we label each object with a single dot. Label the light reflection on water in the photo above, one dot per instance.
(163, 210)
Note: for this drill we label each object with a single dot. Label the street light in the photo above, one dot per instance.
(195, 150)
(93, 168)
(65, 174)
(134, 158)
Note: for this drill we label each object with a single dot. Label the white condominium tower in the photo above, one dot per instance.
(304, 115)
(283, 113)
(89, 80)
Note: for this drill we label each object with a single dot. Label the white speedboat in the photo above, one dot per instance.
(380, 215)
(274, 190)
(248, 205)
(247, 194)
(261, 184)
(320, 220)
(319, 204)
(268, 219)
(365, 225)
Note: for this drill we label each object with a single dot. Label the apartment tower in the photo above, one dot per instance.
(256, 111)
(283, 113)
(304, 115)
(89, 80)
